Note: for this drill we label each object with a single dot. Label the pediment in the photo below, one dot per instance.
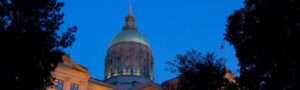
(71, 64)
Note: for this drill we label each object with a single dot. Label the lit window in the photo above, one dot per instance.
(116, 72)
(74, 86)
(129, 71)
(124, 71)
(138, 72)
(59, 84)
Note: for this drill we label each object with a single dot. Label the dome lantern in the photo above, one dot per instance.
(129, 19)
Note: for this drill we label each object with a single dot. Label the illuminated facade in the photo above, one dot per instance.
(128, 65)
(71, 76)
(129, 62)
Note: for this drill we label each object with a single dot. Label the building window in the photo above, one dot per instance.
(115, 72)
(59, 84)
(111, 71)
(128, 70)
(138, 72)
(144, 69)
(74, 86)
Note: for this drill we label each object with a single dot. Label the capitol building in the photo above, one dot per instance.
(128, 65)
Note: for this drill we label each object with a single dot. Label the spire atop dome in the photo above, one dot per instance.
(129, 19)
(130, 8)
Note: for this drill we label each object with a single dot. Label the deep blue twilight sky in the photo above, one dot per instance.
(171, 27)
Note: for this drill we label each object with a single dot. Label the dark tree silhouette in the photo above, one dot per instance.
(30, 43)
(199, 72)
(266, 35)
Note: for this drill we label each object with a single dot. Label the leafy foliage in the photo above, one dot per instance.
(266, 35)
(30, 43)
(199, 72)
